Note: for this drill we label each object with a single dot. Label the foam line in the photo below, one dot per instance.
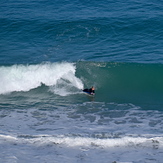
(155, 142)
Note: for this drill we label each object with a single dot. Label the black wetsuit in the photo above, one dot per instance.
(89, 90)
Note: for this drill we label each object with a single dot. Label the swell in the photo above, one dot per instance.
(97, 39)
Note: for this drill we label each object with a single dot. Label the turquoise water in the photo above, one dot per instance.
(50, 50)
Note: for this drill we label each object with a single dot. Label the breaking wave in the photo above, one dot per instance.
(27, 77)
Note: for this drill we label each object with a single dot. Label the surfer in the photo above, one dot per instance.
(91, 90)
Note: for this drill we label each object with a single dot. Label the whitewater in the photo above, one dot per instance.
(25, 78)
(109, 132)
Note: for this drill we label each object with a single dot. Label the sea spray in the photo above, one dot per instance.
(27, 77)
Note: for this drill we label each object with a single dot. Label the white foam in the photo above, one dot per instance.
(56, 148)
(89, 142)
(27, 77)
(82, 133)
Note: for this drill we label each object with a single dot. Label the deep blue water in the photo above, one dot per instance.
(38, 31)
(50, 50)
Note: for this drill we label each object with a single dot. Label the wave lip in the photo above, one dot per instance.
(27, 77)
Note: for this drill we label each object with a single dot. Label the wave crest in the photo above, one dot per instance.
(27, 77)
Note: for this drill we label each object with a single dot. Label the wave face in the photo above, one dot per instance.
(27, 77)
(136, 83)
(124, 82)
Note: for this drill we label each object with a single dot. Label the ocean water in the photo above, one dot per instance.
(50, 51)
